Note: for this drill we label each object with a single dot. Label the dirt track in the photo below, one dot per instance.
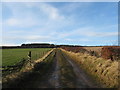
(63, 73)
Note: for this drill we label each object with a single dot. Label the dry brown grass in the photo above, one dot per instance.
(96, 49)
(105, 71)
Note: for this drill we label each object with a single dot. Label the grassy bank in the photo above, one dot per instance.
(104, 71)
(37, 69)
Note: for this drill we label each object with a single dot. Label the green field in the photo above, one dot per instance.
(12, 56)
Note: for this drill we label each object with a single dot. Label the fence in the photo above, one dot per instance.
(18, 66)
(14, 68)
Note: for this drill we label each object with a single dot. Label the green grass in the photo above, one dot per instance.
(13, 56)
(24, 80)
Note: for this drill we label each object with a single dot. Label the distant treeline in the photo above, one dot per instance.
(38, 45)
(33, 45)
(41, 45)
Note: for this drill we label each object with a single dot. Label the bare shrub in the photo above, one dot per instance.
(111, 52)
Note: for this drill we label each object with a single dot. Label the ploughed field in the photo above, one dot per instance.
(13, 56)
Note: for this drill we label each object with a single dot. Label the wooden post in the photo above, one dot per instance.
(29, 57)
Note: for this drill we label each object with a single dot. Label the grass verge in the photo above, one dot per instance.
(104, 71)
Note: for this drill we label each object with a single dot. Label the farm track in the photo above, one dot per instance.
(83, 79)
(63, 73)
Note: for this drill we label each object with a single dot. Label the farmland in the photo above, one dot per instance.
(65, 67)
(12, 56)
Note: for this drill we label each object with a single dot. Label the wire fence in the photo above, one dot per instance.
(18, 66)
(13, 68)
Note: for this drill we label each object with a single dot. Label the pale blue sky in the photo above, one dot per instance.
(87, 23)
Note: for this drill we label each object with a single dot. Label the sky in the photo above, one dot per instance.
(73, 23)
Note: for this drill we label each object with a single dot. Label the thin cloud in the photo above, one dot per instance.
(28, 37)
(51, 11)
(9, 44)
(47, 15)
(18, 22)
(89, 32)
(39, 42)
(101, 34)
(35, 37)
(78, 40)
(45, 22)
(47, 9)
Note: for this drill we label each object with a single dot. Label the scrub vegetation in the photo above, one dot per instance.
(104, 71)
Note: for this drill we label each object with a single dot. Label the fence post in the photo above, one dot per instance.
(29, 57)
